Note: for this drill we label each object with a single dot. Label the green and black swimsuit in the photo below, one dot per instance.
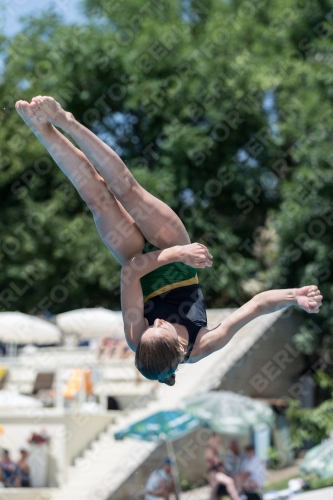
(172, 292)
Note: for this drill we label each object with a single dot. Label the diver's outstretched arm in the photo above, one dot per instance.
(209, 341)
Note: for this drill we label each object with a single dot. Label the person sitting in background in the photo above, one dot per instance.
(3, 349)
(220, 482)
(160, 483)
(232, 458)
(7, 469)
(251, 477)
(113, 348)
(22, 479)
(214, 443)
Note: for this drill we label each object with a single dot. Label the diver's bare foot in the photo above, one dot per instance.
(37, 124)
(50, 110)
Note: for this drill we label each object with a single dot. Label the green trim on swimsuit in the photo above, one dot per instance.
(166, 276)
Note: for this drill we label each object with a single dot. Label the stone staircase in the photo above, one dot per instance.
(105, 465)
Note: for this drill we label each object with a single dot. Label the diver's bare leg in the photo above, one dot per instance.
(157, 222)
(116, 227)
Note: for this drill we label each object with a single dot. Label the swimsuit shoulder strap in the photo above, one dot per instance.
(192, 336)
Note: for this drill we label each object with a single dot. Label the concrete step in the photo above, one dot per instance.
(97, 456)
(65, 494)
(112, 456)
(84, 483)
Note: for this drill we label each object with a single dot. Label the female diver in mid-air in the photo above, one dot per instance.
(162, 303)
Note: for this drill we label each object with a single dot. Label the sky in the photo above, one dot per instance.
(14, 9)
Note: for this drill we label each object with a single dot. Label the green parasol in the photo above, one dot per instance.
(319, 460)
(228, 413)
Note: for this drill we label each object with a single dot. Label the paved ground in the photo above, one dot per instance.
(275, 476)
(272, 476)
(198, 494)
(324, 494)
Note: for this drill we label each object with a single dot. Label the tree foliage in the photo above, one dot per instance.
(222, 109)
(316, 424)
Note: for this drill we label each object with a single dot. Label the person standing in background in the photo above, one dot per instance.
(214, 449)
(7, 469)
(22, 479)
(233, 458)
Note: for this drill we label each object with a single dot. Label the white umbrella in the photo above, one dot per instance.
(95, 322)
(319, 460)
(10, 399)
(226, 412)
(19, 328)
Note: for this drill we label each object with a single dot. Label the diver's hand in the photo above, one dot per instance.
(195, 255)
(309, 298)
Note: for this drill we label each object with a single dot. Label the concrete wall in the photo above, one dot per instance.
(271, 368)
(25, 494)
(70, 435)
(81, 430)
(135, 400)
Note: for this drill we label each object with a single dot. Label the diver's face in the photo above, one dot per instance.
(161, 327)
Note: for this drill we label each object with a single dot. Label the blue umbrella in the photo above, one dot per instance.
(163, 426)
